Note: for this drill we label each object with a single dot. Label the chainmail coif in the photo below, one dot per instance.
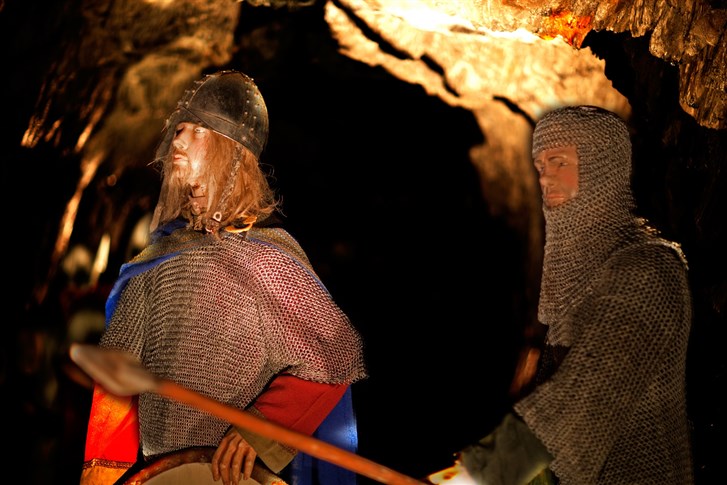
(616, 300)
(581, 233)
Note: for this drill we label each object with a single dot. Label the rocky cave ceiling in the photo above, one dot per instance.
(121, 66)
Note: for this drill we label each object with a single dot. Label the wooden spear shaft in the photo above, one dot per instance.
(312, 446)
(121, 374)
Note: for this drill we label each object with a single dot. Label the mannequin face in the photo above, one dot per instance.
(558, 174)
(189, 151)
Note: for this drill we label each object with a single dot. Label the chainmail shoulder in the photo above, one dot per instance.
(222, 318)
(280, 238)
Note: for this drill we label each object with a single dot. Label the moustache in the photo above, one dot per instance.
(179, 152)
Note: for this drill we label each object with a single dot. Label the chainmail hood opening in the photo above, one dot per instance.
(581, 233)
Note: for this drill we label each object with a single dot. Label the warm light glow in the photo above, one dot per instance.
(102, 258)
(454, 475)
(564, 24)
(95, 118)
(520, 34)
(431, 20)
(526, 370)
(426, 19)
(160, 3)
(140, 234)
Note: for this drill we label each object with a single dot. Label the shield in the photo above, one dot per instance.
(193, 466)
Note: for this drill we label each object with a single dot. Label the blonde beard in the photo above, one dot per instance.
(174, 200)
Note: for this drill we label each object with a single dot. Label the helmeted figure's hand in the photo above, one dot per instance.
(233, 458)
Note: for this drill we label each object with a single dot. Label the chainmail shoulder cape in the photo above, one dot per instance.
(616, 300)
(223, 317)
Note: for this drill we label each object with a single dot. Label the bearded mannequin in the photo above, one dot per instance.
(229, 187)
(225, 302)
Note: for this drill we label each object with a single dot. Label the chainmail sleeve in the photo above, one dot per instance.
(615, 408)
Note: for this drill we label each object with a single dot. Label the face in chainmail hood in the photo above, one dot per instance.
(582, 232)
(233, 187)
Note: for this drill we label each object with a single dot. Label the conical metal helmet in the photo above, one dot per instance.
(227, 102)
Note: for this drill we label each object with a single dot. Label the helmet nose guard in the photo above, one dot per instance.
(229, 103)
